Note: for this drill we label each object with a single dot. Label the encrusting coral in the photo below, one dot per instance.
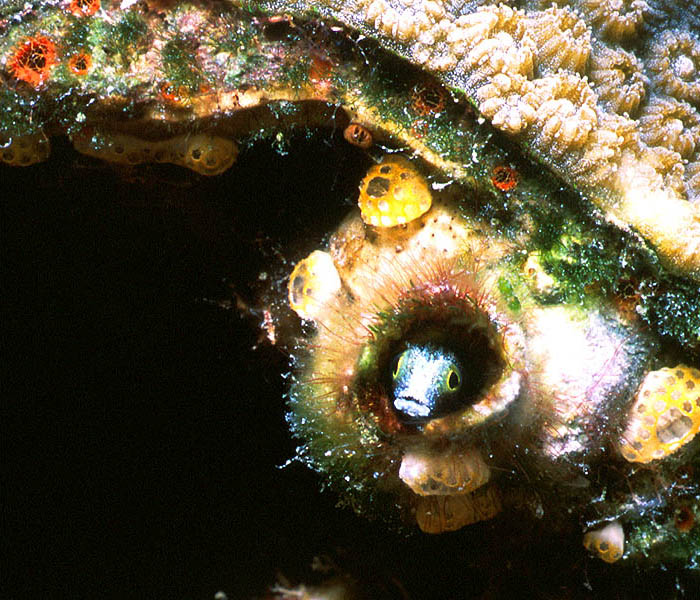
(616, 19)
(674, 64)
(692, 178)
(671, 124)
(617, 78)
(562, 41)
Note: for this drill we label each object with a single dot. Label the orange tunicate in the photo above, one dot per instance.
(84, 8)
(393, 193)
(79, 64)
(504, 178)
(358, 135)
(684, 519)
(665, 415)
(428, 98)
(33, 60)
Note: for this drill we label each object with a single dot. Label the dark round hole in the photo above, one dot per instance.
(378, 187)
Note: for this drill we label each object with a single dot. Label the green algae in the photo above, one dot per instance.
(126, 36)
(180, 64)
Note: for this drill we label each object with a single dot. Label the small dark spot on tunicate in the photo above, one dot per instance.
(385, 169)
(297, 288)
(196, 153)
(378, 187)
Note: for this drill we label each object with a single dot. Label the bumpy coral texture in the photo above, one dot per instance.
(674, 64)
(672, 124)
(692, 178)
(616, 19)
(617, 78)
(562, 40)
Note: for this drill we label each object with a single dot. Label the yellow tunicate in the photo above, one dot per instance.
(664, 416)
(204, 153)
(437, 514)
(209, 155)
(608, 543)
(312, 283)
(24, 150)
(393, 193)
(443, 473)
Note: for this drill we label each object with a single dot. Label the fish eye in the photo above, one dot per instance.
(398, 361)
(454, 380)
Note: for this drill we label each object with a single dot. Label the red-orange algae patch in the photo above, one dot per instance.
(504, 178)
(320, 69)
(80, 63)
(174, 94)
(32, 61)
(84, 8)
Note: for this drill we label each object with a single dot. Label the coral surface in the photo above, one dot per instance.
(535, 247)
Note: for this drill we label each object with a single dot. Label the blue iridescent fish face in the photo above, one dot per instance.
(426, 382)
